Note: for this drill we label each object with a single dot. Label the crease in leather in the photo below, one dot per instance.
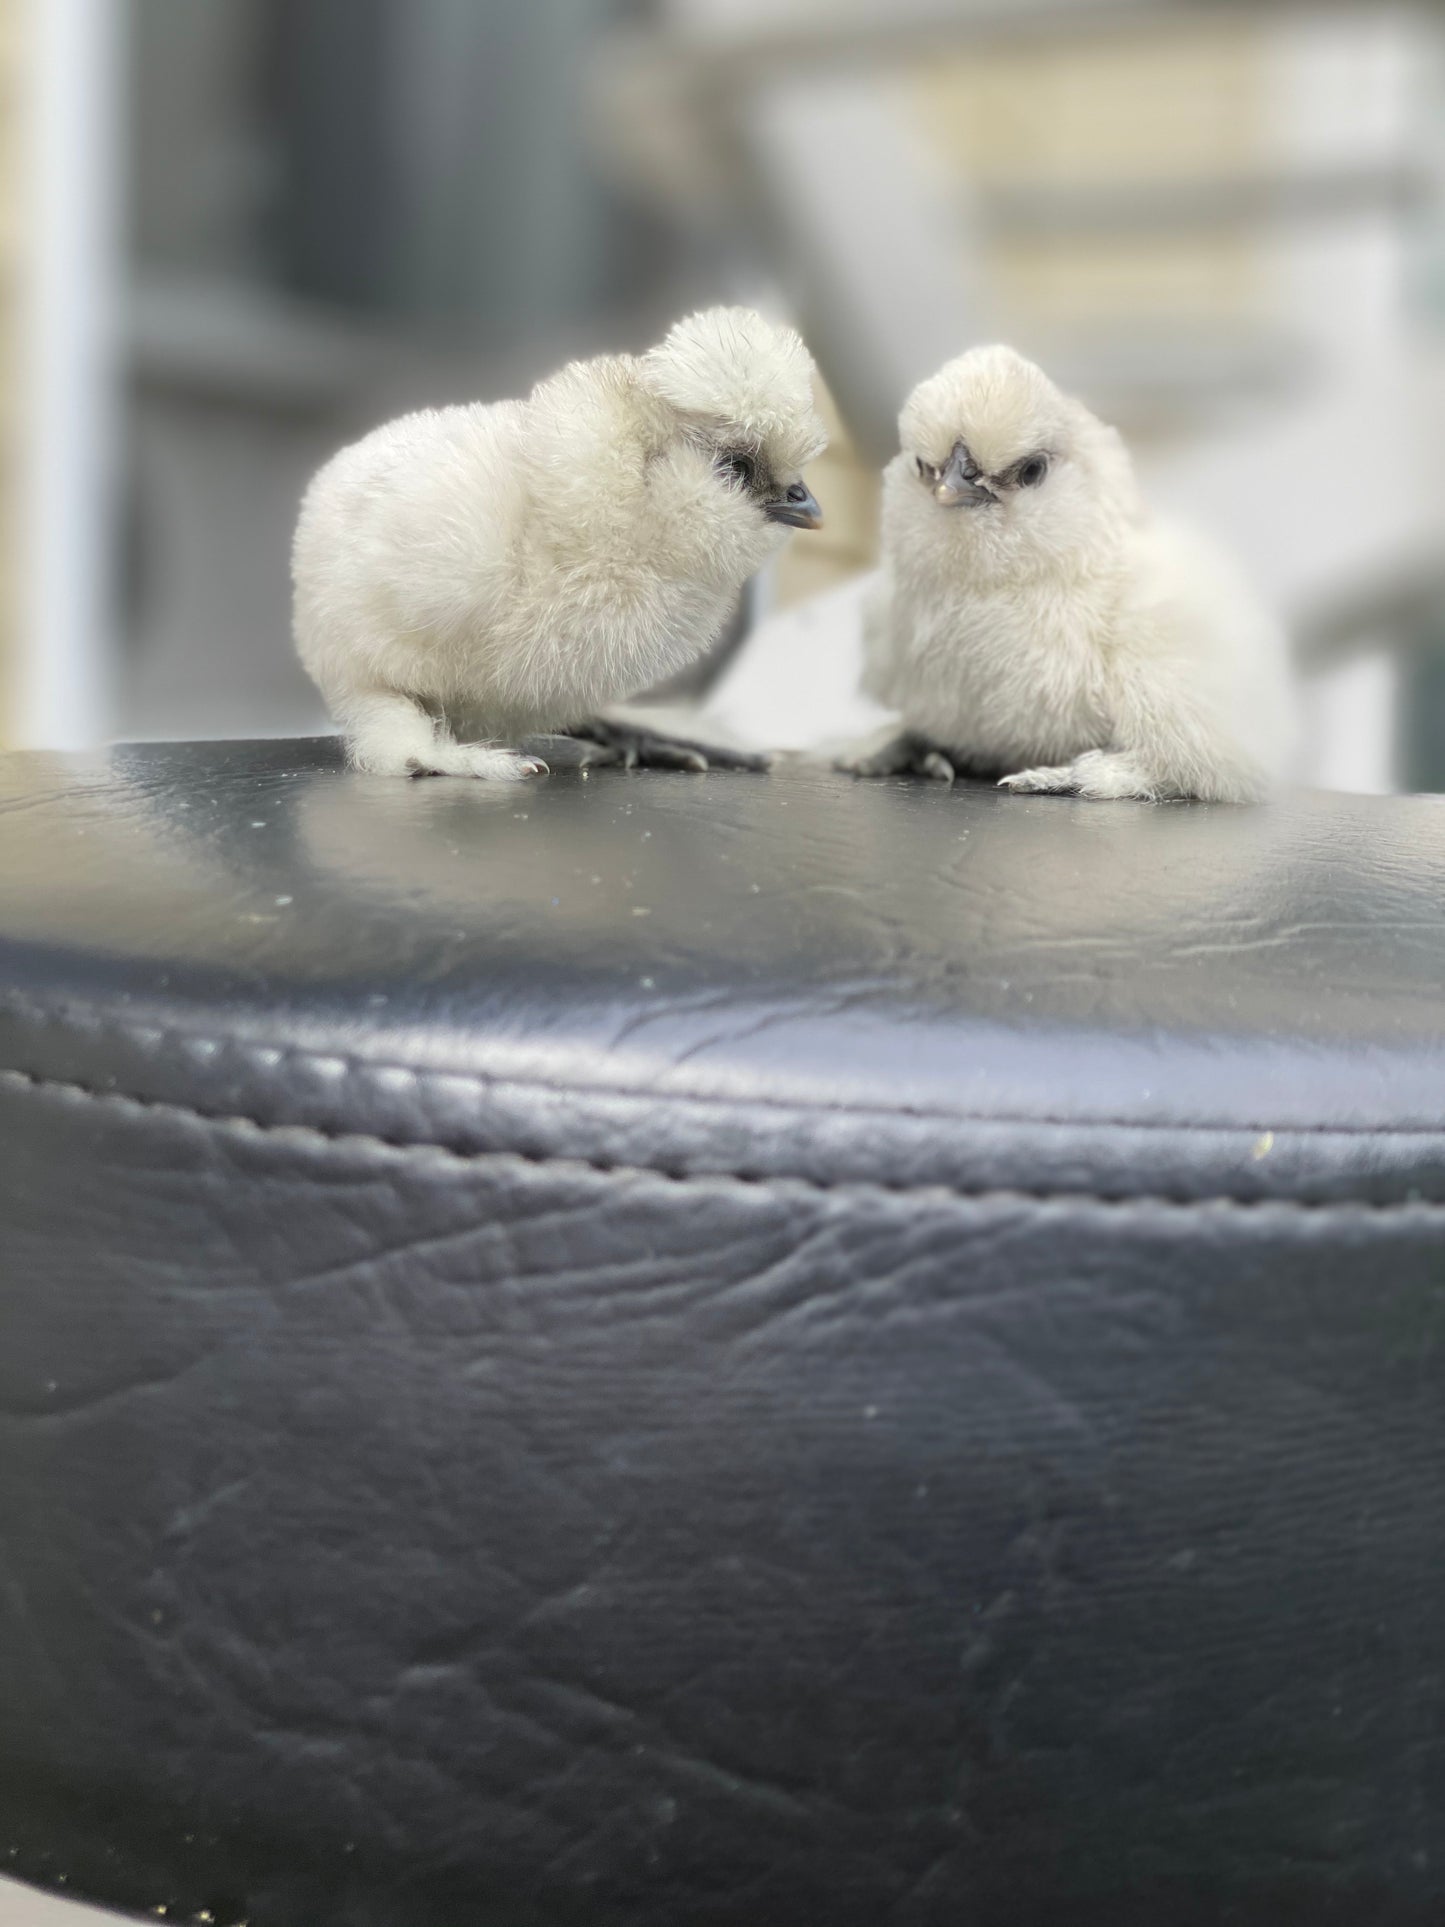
(1116, 1203)
(262, 1055)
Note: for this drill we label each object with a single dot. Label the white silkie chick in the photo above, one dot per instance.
(1035, 624)
(515, 568)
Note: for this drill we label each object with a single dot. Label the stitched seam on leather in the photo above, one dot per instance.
(350, 1062)
(765, 1182)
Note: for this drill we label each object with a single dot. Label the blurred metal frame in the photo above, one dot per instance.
(732, 40)
(70, 382)
(757, 96)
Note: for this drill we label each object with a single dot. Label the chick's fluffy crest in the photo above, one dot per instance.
(730, 366)
(1003, 406)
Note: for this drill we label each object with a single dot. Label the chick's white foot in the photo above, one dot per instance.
(634, 748)
(388, 734)
(485, 760)
(1100, 774)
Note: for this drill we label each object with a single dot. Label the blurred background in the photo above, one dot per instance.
(239, 232)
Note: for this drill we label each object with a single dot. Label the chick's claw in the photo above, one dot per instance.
(1059, 781)
(634, 748)
(907, 754)
(482, 760)
(1098, 774)
(719, 756)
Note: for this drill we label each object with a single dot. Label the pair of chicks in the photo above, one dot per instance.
(468, 578)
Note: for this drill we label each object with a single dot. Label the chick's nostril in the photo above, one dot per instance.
(797, 493)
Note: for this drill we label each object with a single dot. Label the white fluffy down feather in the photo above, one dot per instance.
(1034, 623)
(517, 567)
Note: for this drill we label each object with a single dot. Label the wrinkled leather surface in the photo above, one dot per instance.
(688, 1350)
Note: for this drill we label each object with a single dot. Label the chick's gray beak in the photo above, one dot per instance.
(954, 489)
(796, 507)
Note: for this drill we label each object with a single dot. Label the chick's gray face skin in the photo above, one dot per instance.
(994, 505)
(999, 472)
(789, 504)
(960, 483)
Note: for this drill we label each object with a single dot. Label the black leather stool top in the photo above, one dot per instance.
(683, 1350)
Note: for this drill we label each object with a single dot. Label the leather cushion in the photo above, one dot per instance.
(717, 1349)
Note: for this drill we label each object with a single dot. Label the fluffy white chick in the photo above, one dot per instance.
(514, 568)
(1034, 623)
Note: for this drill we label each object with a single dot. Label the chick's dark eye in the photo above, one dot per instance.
(738, 464)
(926, 471)
(1032, 473)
